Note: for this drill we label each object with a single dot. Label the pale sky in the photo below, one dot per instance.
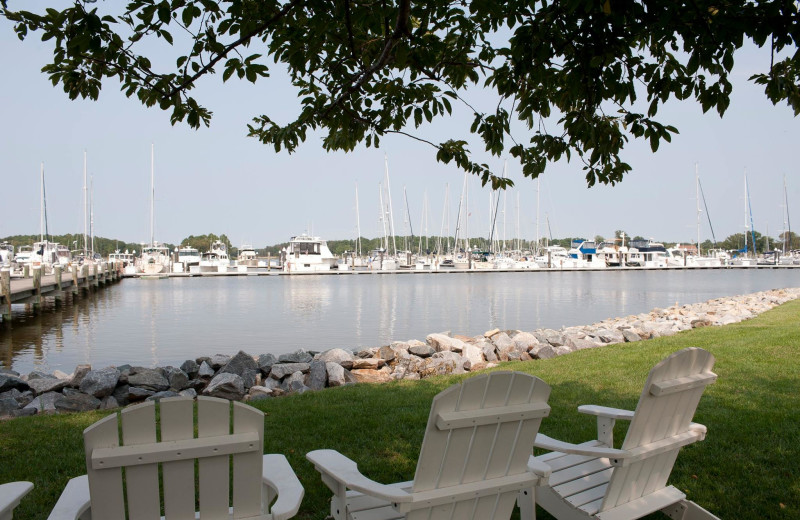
(217, 180)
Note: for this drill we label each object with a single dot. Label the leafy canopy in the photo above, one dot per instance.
(567, 75)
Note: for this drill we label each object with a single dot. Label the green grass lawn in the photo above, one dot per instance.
(748, 466)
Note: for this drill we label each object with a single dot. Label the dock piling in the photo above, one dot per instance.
(5, 290)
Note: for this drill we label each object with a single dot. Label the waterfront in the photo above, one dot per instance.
(162, 322)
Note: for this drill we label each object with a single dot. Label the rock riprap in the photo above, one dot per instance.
(247, 377)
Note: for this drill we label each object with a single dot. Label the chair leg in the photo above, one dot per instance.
(526, 500)
(687, 510)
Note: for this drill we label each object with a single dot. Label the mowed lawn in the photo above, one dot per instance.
(748, 466)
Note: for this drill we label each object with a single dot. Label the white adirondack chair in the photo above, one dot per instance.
(10, 495)
(594, 480)
(148, 445)
(473, 462)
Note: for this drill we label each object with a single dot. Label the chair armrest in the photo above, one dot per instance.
(74, 500)
(11, 494)
(604, 411)
(698, 429)
(548, 443)
(278, 474)
(540, 469)
(344, 471)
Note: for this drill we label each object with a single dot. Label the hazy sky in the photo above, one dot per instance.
(217, 180)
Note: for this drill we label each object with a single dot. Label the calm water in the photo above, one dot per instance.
(161, 322)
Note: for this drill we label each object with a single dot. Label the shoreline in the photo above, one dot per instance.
(244, 377)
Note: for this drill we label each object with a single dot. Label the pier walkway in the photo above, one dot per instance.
(33, 286)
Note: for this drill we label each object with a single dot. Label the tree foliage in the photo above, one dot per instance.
(571, 78)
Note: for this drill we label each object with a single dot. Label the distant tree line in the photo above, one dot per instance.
(105, 246)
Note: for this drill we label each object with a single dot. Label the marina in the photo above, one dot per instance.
(163, 322)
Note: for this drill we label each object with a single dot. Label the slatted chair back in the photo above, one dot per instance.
(228, 444)
(665, 410)
(480, 432)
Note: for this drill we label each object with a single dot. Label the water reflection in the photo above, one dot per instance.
(150, 322)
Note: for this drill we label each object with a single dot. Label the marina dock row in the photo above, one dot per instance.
(72, 280)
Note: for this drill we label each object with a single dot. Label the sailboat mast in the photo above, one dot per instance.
(519, 248)
(385, 241)
(538, 237)
(787, 226)
(152, 194)
(91, 212)
(697, 199)
(41, 203)
(358, 225)
(391, 212)
(752, 227)
(85, 205)
(745, 211)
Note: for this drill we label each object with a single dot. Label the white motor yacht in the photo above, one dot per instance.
(188, 257)
(307, 254)
(6, 253)
(155, 259)
(247, 256)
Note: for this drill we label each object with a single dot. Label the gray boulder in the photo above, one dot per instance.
(489, 352)
(8, 405)
(630, 335)
(337, 355)
(77, 402)
(610, 336)
(294, 383)
(218, 361)
(162, 395)
(99, 383)
(178, 379)
(422, 350)
(298, 356)
(44, 403)
(546, 352)
(109, 403)
(387, 353)
(227, 386)
(318, 375)
(282, 370)
(9, 381)
(335, 373)
(503, 342)
(47, 384)
(79, 374)
(239, 364)
(525, 341)
(189, 392)
(265, 362)
(205, 370)
(250, 377)
(190, 368)
(148, 378)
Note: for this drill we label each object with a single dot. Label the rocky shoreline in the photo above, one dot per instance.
(244, 377)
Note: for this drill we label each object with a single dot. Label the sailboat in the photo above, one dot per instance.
(45, 252)
(743, 260)
(155, 259)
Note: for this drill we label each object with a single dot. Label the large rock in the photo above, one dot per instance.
(190, 367)
(368, 364)
(472, 354)
(148, 378)
(77, 402)
(372, 376)
(422, 350)
(442, 342)
(296, 382)
(239, 364)
(525, 341)
(227, 386)
(265, 362)
(282, 370)
(579, 344)
(44, 403)
(337, 355)
(47, 384)
(8, 405)
(99, 383)
(610, 336)
(178, 379)
(318, 375)
(298, 356)
(387, 353)
(503, 342)
(79, 374)
(9, 381)
(260, 391)
(335, 373)
(205, 370)
(546, 352)
(218, 361)
(162, 395)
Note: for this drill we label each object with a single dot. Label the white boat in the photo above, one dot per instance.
(186, 258)
(23, 256)
(307, 254)
(380, 260)
(122, 259)
(6, 253)
(553, 256)
(247, 256)
(155, 259)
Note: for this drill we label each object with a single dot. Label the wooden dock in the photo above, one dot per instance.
(34, 286)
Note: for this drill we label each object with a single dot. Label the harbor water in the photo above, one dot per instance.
(166, 321)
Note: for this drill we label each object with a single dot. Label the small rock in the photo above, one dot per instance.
(422, 350)
(226, 386)
(218, 361)
(335, 374)
(298, 356)
(77, 402)
(337, 355)
(99, 383)
(281, 370)
(205, 370)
